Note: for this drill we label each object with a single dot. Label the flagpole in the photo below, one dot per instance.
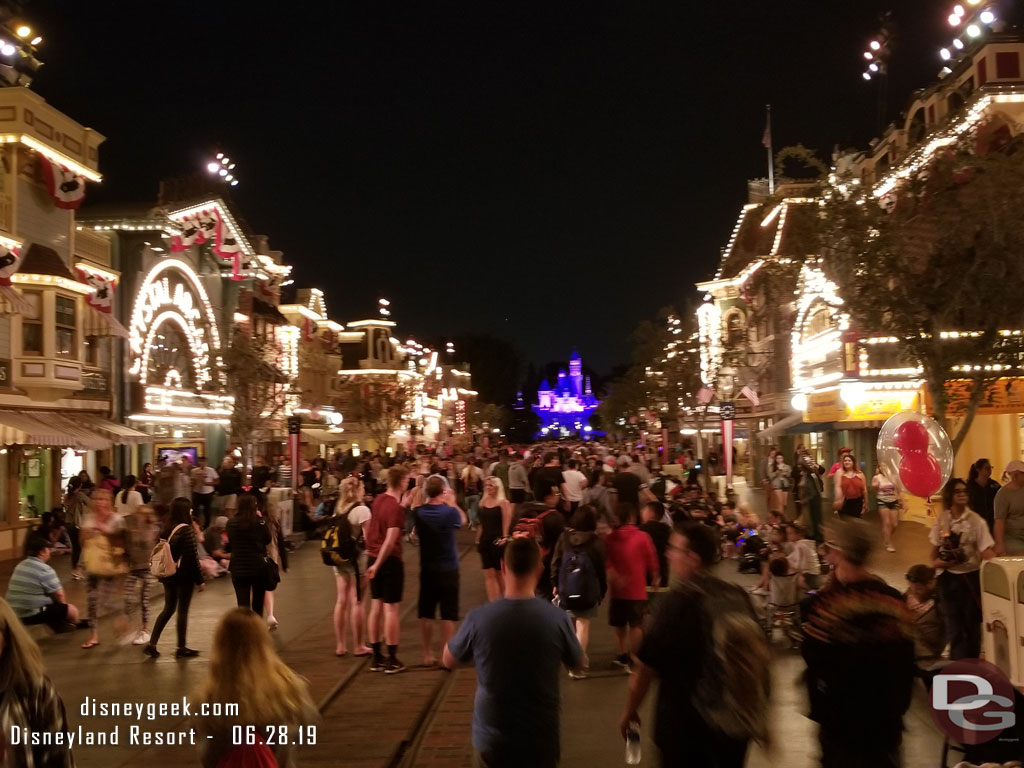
(771, 163)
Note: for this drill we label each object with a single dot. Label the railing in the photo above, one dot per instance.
(95, 248)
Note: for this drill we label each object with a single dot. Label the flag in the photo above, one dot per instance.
(705, 395)
(190, 234)
(102, 296)
(751, 395)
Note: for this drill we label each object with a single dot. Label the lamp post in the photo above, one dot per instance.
(727, 412)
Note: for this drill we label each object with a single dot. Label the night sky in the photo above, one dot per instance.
(551, 173)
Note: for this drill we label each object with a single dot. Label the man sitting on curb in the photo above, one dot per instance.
(35, 592)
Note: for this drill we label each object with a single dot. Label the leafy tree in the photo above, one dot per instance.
(254, 376)
(942, 254)
(379, 408)
(523, 425)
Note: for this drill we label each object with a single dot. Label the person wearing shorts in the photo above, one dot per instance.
(35, 593)
(385, 572)
(436, 523)
(626, 613)
(632, 563)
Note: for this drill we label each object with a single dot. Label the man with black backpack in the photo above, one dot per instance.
(578, 572)
(708, 650)
(544, 523)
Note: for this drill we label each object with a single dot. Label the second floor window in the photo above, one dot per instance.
(64, 345)
(32, 325)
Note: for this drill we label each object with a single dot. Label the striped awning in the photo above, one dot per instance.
(119, 434)
(47, 429)
(98, 323)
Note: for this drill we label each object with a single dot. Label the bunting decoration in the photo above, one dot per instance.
(190, 234)
(101, 300)
(269, 288)
(308, 330)
(66, 187)
(227, 248)
(10, 263)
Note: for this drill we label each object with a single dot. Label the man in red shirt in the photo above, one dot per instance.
(385, 571)
(630, 559)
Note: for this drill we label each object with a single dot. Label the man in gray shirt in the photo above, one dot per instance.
(518, 479)
(1009, 508)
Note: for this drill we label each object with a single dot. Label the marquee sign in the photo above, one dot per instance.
(172, 294)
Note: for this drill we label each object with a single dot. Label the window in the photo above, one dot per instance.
(1007, 65)
(65, 321)
(97, 352)
(982, 71)
(32, 325)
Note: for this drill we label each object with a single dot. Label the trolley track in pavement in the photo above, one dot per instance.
(403, 708)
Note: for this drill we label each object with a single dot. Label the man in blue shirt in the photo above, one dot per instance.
(436, 523)
(519, 645)
(35, 593)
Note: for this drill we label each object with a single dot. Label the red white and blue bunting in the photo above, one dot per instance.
(102, 298)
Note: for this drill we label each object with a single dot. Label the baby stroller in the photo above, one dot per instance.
(782, 608)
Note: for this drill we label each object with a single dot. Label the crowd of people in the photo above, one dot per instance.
(564, 533)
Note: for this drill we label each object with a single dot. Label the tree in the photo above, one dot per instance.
(379, 408)
(260, 387)
(494, 416)
(936, 263)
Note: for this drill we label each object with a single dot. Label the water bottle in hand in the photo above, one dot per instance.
(633, 744)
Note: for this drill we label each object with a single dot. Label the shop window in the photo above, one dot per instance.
(65, 323)
(97, 352)
(982, 71)
(32, 325)
(34, 491)
(1007, 65)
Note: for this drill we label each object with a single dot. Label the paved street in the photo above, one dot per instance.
(421, 717)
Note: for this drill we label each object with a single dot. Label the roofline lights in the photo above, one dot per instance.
(52, 154)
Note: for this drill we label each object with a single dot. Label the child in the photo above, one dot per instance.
(804, 556)
(929, 623)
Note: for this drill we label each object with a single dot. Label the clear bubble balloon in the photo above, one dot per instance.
(915, 453)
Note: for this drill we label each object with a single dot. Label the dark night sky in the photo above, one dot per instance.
(549, 172)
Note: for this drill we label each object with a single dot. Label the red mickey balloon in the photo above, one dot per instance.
(911, 437)
(920, 474)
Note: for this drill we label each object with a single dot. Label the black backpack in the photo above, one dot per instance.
(338, 546)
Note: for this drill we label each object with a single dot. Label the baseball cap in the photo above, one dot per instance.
(1014, 466)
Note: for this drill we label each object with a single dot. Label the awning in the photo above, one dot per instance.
(98, 323)
(323, 435)
(779, 428)
(805, 428)
(47, 429)
(119, 434)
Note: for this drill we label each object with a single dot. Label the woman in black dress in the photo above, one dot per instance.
(179, 587)
(248, 539)
(495, 516)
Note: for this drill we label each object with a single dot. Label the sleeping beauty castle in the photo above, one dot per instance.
(566, 408)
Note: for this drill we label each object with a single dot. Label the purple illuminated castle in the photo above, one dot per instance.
(566, 408)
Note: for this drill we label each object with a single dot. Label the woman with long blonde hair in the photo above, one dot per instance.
(103, 556)
(494, 512)
(245, 669)
(277, 552)
(349, 607)
(27, 698)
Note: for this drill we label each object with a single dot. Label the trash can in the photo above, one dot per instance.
(1002, 608)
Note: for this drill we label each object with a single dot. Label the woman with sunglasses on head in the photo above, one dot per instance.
(960, 541)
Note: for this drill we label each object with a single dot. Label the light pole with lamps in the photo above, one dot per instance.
(727, 413)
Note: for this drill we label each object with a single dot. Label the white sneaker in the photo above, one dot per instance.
(890, 548)
(142, 638)
(77, 575)
(272, 623)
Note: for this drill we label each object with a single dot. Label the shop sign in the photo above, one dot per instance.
(5, 373)
(873, 405)
(824, 406)
(1004, 396)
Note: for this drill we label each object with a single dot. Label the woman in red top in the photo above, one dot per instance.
(851, 499)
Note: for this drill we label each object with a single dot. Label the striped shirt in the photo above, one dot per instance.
(32, 583)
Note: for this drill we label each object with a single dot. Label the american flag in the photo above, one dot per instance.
(751, 395)
(704, 395)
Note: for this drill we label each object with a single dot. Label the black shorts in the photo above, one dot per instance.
(623, 612)
(388, 583)
(54, 615)
(517, 495)
(439, 589)
(490, 555)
